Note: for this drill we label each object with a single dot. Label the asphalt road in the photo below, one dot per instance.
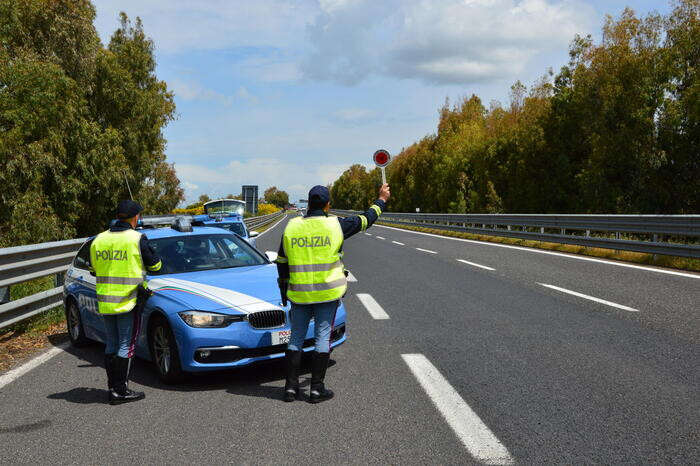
(516, 369)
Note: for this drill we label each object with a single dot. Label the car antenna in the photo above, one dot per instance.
(127, 185)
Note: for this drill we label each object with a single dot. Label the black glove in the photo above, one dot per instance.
(282, 283)
(142, 295)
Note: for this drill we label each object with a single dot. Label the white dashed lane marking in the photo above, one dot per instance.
(426, 250)
(368, 234)
(551, 253)
(400, 244)
(372, 306)
(380, 237)
(585, 296)
(351, 277)
(475, 264)
(478, 439)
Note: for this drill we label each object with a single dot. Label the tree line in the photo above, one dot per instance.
(616, 130)
(80, 122)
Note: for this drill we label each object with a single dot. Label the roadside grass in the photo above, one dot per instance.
(21, 340)
(659, 260)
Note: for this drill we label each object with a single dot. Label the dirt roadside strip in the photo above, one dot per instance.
(16, 346)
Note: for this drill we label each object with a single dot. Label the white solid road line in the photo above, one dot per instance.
(273, 226)
(585, 296)
(400, 244)
(475, 264)
(351, 277)
(380, 237)
(481, 443)
(372, 306)
(18, 372)
(551, 253)
(426, 250)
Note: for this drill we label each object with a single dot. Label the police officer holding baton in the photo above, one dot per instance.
(119, 258)
(312, 277)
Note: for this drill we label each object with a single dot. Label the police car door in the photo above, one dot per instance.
(82, 286)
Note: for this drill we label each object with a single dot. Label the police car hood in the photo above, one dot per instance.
(243, 289)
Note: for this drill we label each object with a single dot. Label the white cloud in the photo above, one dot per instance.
(354, 116)
(193, 91)
(181, 26)
(438, 41)
(189, 90)
(277, 68)
(187, 186)
(265, 172)
(244, 94)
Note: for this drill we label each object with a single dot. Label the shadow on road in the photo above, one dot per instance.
(253, 381)
(82, 395)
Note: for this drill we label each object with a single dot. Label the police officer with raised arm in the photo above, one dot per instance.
(312, 277)
(119, 258)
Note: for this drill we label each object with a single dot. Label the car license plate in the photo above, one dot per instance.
(281, 337)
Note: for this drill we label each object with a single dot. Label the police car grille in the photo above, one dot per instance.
(267, 319)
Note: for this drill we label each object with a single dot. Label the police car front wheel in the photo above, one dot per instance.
(164, 351)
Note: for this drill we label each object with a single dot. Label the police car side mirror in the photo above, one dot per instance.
(271, 255)
(253, 233)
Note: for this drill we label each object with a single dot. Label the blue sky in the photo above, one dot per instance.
(290, 93)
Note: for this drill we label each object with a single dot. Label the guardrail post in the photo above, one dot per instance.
(563, 231)
(588, 233)
(4, 295)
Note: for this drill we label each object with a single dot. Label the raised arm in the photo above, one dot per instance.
(357, 223)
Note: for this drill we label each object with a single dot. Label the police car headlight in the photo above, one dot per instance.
(203, 319)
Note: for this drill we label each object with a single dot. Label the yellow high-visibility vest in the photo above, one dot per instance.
(115, 257)
(312, 246)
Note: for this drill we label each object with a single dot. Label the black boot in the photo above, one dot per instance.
(319, 365)
(120, 393)
(109, 367)
(292, 361)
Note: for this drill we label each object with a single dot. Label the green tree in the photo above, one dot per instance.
(616, 130)
(68, 134)
(276, 197)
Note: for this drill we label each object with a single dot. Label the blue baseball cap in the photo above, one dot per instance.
(128, 208)
(319, 197)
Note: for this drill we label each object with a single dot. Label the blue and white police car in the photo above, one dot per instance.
(216, 304)
(228, 214)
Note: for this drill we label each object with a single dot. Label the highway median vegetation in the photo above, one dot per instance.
(616, 130)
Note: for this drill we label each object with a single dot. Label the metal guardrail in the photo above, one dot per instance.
(582, 230)
(255, 222)
(24, 263)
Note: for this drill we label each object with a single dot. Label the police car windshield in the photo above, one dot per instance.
(204, 252)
